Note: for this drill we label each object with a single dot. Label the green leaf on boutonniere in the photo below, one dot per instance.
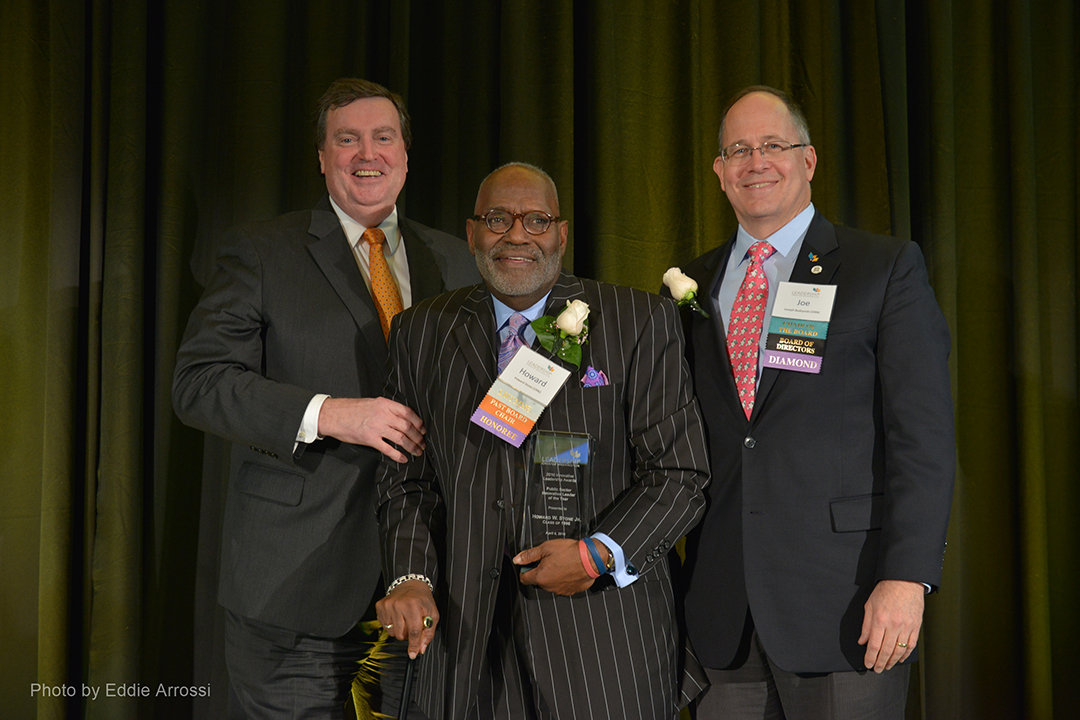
(558, 342)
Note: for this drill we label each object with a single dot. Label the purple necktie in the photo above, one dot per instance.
(509, 346)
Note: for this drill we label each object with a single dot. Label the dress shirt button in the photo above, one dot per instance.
(749, 443)
(493, 573)
(631, 570)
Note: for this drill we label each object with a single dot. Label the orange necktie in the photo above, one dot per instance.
(383, 287)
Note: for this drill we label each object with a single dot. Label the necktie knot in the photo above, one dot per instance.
(510, 344)
(374, 236)
(516, 322)
(761, 251)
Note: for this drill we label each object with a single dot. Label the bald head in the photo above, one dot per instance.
(512, 173)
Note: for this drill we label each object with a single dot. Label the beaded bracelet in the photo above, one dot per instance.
(406, 578)
(584, 551)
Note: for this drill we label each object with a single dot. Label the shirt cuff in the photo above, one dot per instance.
(309, 426)
(624, 573)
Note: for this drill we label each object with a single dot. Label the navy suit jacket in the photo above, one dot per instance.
(838, 479)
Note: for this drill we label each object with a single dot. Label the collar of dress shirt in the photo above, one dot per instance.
(503, 313)
(353, 229)
(785, 240)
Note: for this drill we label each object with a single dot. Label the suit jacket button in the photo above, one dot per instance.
(749, 443)
(500, 504)
(493, 573)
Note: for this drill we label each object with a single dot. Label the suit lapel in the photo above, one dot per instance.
(709, 277)
(475, 335)
(715, 267)
(331, 251)
(568, 288)
(816, 251)
(424, 277)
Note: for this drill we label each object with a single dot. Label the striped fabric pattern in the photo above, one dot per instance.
(454, 513)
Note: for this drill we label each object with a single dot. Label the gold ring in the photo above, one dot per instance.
(900, 644)
(428, 622)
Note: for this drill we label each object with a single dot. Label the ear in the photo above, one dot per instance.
(810, 158)
(322, 163)
(470, 228)
(718, 168)
(564, 230)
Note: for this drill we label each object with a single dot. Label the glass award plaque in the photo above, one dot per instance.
(557, 489)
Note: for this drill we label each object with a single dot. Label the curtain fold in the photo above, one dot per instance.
(135, 133)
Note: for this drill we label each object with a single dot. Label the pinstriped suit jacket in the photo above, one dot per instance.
(452, 513)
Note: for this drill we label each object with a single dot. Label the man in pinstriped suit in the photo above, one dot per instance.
(557, 643)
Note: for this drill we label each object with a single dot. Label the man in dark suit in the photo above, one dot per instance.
(590, 631)
(285, 357)
(831, 491)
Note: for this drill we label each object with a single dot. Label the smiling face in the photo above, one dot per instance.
(518, 268)
(363, 158)
(766, 193)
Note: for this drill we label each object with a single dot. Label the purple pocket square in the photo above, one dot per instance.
(594, 377)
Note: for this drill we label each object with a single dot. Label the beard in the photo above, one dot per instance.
(540, 275)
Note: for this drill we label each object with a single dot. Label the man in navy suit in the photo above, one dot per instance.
(830, 491)
(285, 356)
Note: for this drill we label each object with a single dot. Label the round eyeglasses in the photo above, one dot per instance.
(499, 221)
(739, 154)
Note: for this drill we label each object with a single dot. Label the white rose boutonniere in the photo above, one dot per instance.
(563, 336)
(683, 289)
(572, 319)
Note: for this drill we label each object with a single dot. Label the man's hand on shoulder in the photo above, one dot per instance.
(375, 422)
(891, 623)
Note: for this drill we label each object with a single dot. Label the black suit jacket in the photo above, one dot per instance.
(838, 480)
(453, 513)
(287, 315)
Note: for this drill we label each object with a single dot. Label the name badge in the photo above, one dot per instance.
(798, 327)
(516, 399)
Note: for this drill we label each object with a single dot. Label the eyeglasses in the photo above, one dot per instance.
(739, 154)
(499, 221)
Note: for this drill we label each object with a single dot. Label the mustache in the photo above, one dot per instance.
(504, 248)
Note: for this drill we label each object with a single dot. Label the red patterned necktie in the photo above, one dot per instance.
(383, 288)
(744, 328)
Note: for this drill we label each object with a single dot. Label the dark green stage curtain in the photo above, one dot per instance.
(133, 133)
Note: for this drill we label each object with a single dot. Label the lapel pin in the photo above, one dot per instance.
(816, 269)
(813, 257)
